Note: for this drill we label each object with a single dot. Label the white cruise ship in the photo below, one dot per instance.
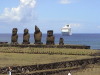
(66, 30)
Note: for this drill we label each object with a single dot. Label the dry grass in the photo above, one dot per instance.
(14, 59)
(10, 56)
(90, 70)
(48, 51)
(13, 56)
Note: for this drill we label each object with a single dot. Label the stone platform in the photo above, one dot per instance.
(46, 46)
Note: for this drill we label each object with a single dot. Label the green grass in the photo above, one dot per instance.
(12, 56)
(14, 59)
(16, 56)
(48, 51)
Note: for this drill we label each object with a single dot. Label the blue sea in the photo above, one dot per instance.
(92, 40)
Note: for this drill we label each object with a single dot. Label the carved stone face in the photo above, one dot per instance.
(37, 29)
(50, 33)
(61, 39)
(14, 31)
(25, 31)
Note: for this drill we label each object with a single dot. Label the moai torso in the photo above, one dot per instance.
(37, 36)
(50, 38)
(26, 37)
(14, 37)
(61, 41)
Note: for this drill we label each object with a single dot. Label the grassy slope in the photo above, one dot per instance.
(13, 59)
(12, 56)
(89, 70)
(48, 51)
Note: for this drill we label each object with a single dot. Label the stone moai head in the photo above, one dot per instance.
(61, 41)
(37, 29)
(37, 36)
(50, 38)
(26, 31)
(14, 37)
(50, 33)
(14, 31)
(26, 37)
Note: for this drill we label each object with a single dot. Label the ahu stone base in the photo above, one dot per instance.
(46, 46)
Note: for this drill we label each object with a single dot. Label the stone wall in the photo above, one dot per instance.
(56, 65)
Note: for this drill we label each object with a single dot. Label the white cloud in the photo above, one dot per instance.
(24, 12)
(75, 25)
(68, 1)
(65, 1)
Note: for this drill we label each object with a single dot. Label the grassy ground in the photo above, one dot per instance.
(48, 51)
(10, 56)
(14, 59)
(13, 56)
(90, 70)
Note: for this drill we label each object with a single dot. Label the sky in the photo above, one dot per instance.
(82, 15)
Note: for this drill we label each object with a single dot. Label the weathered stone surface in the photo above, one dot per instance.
(37, 36)
(61, 41)
(26, 37)
(50, 38)
(3, 42)
(14, 37)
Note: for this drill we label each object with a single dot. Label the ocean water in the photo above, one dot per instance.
(92, 40)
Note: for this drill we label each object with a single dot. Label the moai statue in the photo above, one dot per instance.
(14, 37)
(26, 37)
(61, 41)
(50, 38)
(37, 36)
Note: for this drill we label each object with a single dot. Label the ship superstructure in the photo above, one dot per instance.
(66, 30)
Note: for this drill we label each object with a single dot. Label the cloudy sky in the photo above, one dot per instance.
(82, 15)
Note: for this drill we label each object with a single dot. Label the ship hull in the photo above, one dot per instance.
(66, 33)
